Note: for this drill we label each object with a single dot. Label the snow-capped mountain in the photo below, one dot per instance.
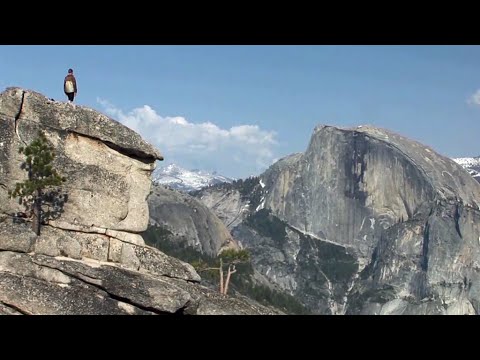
(472, 164)
(181, 179)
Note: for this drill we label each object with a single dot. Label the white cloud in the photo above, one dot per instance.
(239, 151)
(475, 99)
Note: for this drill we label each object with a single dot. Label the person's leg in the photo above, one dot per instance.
(70, 96)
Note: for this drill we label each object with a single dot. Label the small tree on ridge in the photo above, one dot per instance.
(228, 259)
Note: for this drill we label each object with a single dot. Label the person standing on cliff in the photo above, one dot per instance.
(70, 86)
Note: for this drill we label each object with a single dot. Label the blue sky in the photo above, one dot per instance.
(236, 109)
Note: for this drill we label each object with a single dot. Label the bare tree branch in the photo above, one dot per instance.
(221, 276)
(231, 270)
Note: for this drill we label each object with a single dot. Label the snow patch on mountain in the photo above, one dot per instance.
(181, 179)
(471, 164)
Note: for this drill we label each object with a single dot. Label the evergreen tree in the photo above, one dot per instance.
(227, 261)
(39, 188)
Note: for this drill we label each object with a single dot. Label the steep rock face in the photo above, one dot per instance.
(107, 165)
(233, 202)
(318, 273)
(408, 215)
(189, 220)
(429, 265)
(91, 258)
(350, 185)
(228, 206)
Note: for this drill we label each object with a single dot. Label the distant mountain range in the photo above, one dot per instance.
(472, 164)
(184, 180)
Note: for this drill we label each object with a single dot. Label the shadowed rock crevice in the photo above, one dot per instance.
(355, 169)
(10, 309)
(426, 238)
(115, 296)
(17, 116)
(457, 218)
(129, 152)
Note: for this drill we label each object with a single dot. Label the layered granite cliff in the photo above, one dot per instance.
(364, 222)
(91, 257)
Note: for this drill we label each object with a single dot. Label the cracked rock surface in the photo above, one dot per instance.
(91, 259)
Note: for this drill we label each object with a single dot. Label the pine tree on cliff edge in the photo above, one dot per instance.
(228, 258)
(42, 179)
